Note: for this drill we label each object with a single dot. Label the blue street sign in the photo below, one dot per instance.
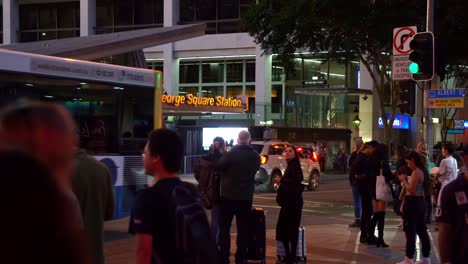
(455, 131)
(447, 93)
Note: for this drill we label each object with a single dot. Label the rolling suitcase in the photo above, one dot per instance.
(301, 249)
(257, 235)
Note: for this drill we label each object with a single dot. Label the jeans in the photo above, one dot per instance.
(356, 200)
(366, 202)
(227, 210)
(414, 220)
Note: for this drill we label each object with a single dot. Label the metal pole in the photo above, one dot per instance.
(428, 138)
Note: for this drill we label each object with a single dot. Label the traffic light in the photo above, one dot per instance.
(422, 57)
(407, 97)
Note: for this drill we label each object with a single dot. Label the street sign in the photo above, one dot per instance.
(443, 98)
(445, 102)
(401, 39)
(459, 124)
(455, 131)
(400, 60)
(400, 64)
(447, 93)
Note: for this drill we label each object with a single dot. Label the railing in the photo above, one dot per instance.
(189, 163)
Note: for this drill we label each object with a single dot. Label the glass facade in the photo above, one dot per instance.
(49, 21)
(229, 78)
(221, 16)
(125, 15)
(305, 105)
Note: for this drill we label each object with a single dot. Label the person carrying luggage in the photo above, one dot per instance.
(289, 197)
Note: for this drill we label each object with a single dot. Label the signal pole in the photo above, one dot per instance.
(428, 137)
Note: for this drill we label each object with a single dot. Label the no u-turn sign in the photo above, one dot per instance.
(401, 49)
(401, 39)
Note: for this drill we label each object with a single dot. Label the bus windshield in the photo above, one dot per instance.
(113, 117)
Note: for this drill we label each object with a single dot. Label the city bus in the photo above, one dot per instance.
(114, 108)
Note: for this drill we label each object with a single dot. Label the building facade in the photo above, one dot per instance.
(320, 93)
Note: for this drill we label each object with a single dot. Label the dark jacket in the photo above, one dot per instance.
(357, 170)
(290, 189)
(352, 158)
(92, 185)
(237, 169)
(208, 179)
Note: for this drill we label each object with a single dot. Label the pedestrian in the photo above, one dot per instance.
(322, 153)
(452, 218)
(289, 197)
(414, 208)
(37, 173)
(154, 216)
(92, 185)
(400, 168)
(360, 173)
(237, 169)
(448, 166)
(354, 184)
(208, 178)
(421, 148)
(378, 166)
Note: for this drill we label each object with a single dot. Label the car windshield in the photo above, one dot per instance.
(257, 147)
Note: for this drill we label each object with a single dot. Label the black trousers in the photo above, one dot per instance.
(414, 218)
(366, 206)
(227, 210)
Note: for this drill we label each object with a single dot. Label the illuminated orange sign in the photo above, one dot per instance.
(190, 99)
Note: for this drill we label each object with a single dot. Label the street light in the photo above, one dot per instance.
(356, 121)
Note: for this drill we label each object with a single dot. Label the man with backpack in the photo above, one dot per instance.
(209, 181)
(238, 168)
(168, 218)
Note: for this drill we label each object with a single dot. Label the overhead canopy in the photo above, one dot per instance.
(328, 91)
(105, 45)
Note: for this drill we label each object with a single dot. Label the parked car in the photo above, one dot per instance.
(273, 164)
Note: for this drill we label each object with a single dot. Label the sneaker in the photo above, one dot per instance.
(406, 260)
(424, 261)
(356, 223)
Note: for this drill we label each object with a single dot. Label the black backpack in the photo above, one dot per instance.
(193, 237)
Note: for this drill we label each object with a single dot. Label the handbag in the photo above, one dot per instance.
(382, 189)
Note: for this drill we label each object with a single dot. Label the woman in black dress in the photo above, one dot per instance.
(289, 197)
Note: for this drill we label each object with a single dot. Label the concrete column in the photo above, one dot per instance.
(171, 70)
(171, 12)
(171, 64)
(87, 17)
(367, 107)
(10, 21)
(262, 86)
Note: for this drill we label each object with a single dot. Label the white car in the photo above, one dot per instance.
(273, 164)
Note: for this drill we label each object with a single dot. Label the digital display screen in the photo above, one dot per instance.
(227, 133)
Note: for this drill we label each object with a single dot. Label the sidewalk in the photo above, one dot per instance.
(326, 243)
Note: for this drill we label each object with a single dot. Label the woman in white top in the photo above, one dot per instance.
(448, 167)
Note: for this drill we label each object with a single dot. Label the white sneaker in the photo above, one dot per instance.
(424, 261)
(406, 261)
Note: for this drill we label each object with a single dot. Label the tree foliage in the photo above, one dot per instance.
(351, 29)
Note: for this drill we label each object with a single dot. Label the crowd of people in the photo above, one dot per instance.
(69, 194)
(418, 183)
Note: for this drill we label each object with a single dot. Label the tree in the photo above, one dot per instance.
(345, 29)
(450, 32)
